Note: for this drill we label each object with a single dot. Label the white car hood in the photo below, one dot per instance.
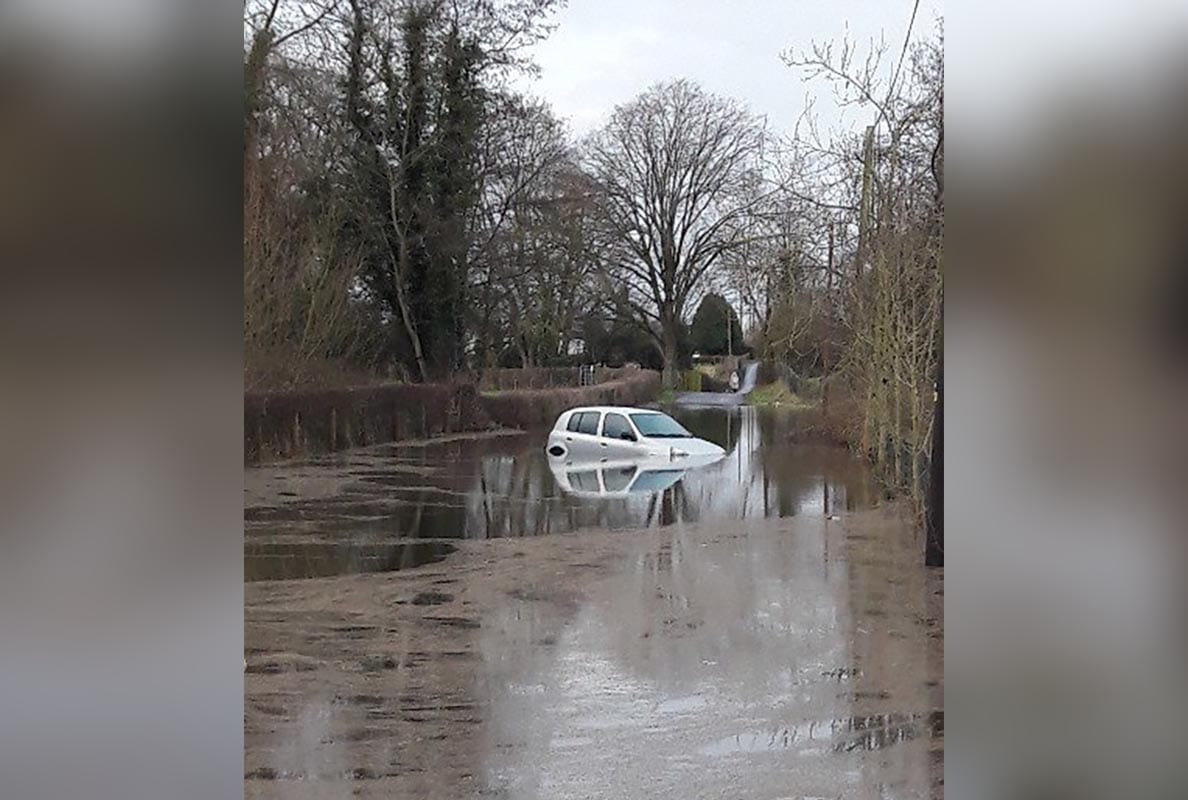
(688, 449)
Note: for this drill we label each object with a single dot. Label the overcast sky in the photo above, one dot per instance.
(604, 52)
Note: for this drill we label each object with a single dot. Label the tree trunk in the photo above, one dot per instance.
(400, 258)
(934, 539)
(671, 372)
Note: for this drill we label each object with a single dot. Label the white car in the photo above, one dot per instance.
(616, 433)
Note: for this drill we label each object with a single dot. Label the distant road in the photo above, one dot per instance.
(750, 373)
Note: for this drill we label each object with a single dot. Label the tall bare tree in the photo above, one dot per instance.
(268, 25)
(524, 155)
(672, 167)
(887, 187)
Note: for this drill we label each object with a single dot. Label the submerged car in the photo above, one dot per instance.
(606, 433)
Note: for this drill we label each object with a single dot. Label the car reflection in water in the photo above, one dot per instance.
(623, 477)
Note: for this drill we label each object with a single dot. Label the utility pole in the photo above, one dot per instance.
(864, 214)
(934, 519)
(729, 331)
(864, 209)
(826, 347)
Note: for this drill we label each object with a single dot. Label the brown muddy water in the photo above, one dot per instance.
(442, 620)
(362, 511)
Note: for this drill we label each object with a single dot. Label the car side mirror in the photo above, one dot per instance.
(627, 436)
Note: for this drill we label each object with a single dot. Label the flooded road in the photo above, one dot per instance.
(445, 621)
(359, 510)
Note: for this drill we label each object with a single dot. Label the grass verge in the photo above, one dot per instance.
(778, 395)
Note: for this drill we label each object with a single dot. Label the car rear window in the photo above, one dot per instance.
(583, 422)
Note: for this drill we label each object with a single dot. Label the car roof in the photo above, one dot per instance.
(620, 409)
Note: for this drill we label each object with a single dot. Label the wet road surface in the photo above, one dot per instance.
(756, 630)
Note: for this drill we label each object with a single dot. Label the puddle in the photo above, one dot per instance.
(273, 562)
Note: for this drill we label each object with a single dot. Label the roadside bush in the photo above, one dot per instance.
(280, 425)
(532, 408)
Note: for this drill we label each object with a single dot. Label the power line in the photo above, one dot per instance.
(906, 38)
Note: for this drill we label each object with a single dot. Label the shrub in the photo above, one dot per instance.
(531, 408)
(287, 424)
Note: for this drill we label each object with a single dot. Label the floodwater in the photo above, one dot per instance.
(443, 621)
(486, 487)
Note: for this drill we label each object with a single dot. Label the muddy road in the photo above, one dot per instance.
(442, 620)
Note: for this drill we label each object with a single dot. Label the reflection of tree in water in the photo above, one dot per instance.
(767, 473)
(717, 425)
(515, 497)
(662, 506)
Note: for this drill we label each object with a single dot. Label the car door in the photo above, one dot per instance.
(618, 439)
(581, 435)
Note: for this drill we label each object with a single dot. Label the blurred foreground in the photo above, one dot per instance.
(1067, 369)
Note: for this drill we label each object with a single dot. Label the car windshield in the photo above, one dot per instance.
(659, 426)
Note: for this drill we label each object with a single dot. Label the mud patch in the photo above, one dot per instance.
(281, 562)
(527, 595)
(280, 663)
(879, 695)
(431, 598)
(378, 662)
(453, 622)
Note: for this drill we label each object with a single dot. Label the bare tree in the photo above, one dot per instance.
(672, 167)
(268, 25)
(887, 187)
(300, 309)
(532, 233)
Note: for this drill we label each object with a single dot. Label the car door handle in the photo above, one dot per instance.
(602, 444)
(569, 438)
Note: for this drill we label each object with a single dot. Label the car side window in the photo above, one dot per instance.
(572, 425)
(588, 423)
(615, 425)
